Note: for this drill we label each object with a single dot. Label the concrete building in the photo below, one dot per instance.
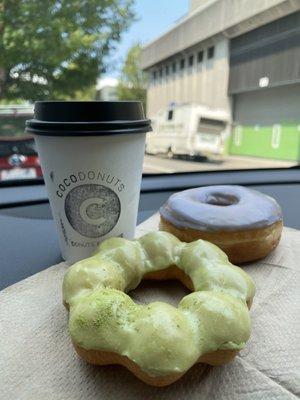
(242, 56)
(106, 89)
(191, 62)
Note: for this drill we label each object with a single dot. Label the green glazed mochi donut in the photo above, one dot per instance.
(159, 338)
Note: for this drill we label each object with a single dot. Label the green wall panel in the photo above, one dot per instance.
(260, 142)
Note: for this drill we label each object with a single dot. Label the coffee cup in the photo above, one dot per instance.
(91, 154)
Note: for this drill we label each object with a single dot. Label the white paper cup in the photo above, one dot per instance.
(92, 177)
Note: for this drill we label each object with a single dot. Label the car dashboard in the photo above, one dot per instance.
(29, 242)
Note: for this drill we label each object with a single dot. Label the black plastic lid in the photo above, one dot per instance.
(77, 118)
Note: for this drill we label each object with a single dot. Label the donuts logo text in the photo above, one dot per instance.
(91, 175)
(91, 202)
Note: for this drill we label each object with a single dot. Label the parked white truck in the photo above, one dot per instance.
(189, 129)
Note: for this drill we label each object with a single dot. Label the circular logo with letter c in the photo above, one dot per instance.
(92, 210)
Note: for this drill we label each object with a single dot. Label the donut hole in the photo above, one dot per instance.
(221, 199)
(168, 291)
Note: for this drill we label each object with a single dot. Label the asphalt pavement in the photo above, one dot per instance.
(162, 164)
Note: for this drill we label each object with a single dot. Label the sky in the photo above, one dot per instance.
(154, 18)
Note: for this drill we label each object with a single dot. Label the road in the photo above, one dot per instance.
(161, 164)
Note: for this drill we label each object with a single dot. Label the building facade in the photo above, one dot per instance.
(197, 75)
(264, 84)
(237, 55)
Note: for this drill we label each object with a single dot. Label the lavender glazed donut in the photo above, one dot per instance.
(244, 223)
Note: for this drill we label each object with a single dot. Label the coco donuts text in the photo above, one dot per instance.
(85, 176)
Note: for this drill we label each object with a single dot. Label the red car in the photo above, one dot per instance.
(18, 158)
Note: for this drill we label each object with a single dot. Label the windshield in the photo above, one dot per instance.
(221, 96)
(208, 125)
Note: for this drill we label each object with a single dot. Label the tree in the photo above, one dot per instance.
(57, 48)
(132, 82)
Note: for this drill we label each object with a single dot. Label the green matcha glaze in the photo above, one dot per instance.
(160, 338)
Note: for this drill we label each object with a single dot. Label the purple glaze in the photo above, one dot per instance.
(224, 207)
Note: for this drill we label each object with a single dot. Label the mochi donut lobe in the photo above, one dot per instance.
(244, 223)
(156, 341)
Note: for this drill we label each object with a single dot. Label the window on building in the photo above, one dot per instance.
(182, 63)
(211, 52)
(174, 67)
(154, 75)
(160, 72)
(191, 60)
(200, 56)
(170, 115)
(167, 70)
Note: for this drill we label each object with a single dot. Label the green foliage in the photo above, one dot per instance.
(4, 102)
(12, 126)
(132, 82)
(57, 48)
